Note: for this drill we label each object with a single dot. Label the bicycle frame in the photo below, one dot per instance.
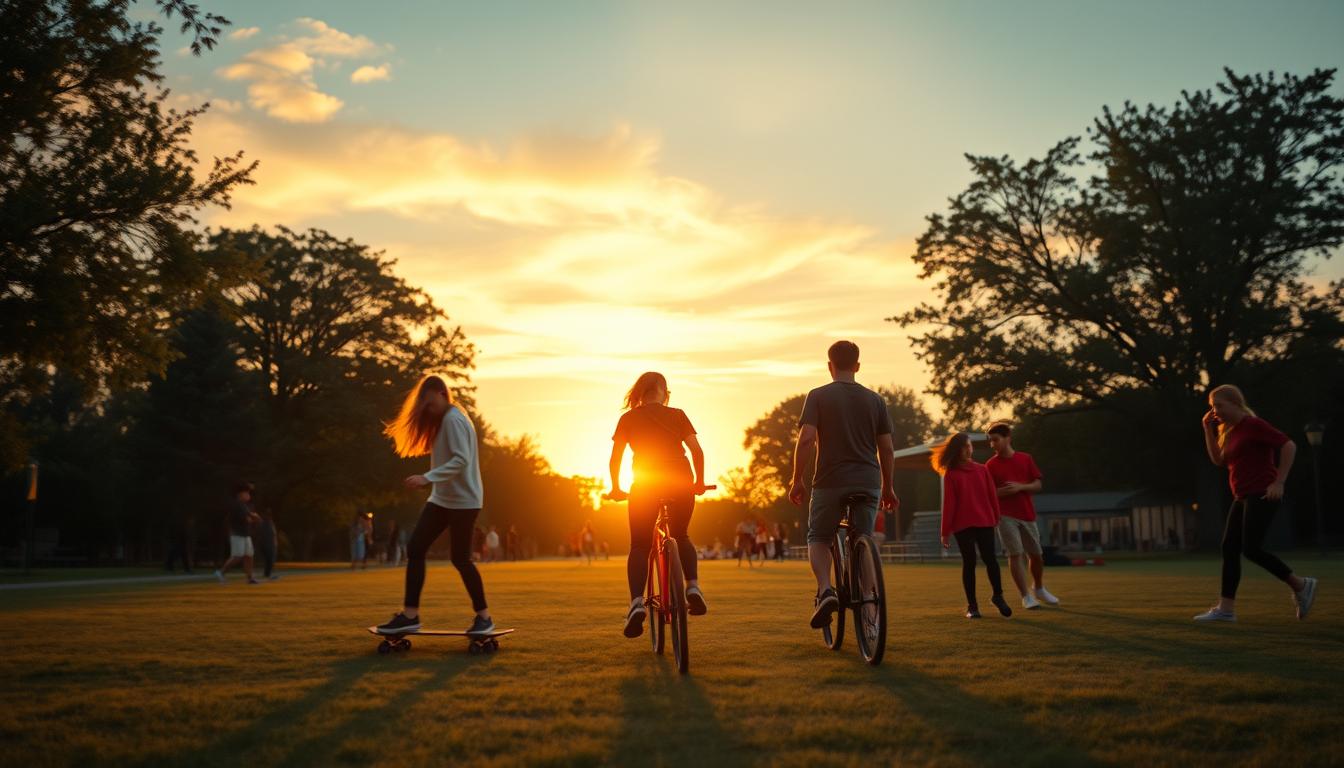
(653, 599)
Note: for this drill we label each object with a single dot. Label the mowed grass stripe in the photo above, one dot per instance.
(283, 674)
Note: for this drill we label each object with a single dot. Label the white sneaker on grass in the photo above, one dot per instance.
(1214, 614)
(1030, 602)
(1305, 598)
(1044, 596)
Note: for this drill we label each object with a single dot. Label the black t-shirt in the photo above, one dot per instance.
(655, 434)
(239, 519)
(848, 417)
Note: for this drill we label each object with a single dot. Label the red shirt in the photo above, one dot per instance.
(1251, 454)
(969, 499)
(1018, 468)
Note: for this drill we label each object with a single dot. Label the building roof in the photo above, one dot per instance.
(917, 456)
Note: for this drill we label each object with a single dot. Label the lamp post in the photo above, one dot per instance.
(1315, 432)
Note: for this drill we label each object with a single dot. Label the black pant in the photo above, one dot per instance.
(177, 550)
(1247, 522)
(968, 540)
(643, 514)
(267, 552)
(433, 520)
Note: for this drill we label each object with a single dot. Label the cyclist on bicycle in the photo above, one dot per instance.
(656, 435)
(848, 427)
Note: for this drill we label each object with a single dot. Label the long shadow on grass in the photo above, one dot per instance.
(320, 744)
(666, 720)
(1221, 655)
(976, 729)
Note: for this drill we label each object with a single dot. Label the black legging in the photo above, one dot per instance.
(968, 539)
(433, 520)
(643, 514)
(1247, 522)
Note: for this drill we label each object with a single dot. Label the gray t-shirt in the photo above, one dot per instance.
(848, 417)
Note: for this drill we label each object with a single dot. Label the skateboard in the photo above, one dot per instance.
(487, 643)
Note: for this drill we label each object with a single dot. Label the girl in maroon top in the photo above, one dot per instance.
(1247, 445)
(970, 514)
(658, 436)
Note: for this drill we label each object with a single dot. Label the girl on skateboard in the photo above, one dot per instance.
(656, 435)
(429, 423)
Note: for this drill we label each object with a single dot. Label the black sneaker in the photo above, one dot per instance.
(972, 612)
(695, 602)
(634, 620)
(1002, 605)
(481, 626)
(399, 625)
(827, 603)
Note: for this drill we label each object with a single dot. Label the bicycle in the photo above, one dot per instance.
(665, 593)
(867, 595)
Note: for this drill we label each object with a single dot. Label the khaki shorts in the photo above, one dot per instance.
(240, 546)
(1019, 536)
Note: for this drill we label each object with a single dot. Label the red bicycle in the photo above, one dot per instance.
(665, 593)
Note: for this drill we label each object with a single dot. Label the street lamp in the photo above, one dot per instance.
(1315, 433)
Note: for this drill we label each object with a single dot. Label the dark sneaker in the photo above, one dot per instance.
(634, 620)
(481, 626)
(1004, 609)
(399, 625)
(827, 603)
(972, 612)
(695, 602)
(253, 581)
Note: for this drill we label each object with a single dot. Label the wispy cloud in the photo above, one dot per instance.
(280, 77)
(369, 74)
(574, 262)
(244, 33)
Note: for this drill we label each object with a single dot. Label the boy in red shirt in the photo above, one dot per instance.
(1017, 478)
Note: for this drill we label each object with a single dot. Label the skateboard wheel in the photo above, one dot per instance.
(494, 645)
(473, 649)
(405, 645)
(384, 647)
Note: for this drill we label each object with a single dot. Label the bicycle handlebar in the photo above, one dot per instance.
(624, 496)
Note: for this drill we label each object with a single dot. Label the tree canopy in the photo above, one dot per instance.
(1177, 266)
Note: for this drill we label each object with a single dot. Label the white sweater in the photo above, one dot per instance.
(456, 472)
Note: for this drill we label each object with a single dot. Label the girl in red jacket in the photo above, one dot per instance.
(970, 514)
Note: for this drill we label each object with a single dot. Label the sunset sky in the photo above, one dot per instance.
(593, 189)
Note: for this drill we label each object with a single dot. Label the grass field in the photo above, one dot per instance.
(283, 674)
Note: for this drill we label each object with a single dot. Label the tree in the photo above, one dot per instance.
(1179, 267)
(334, 339)
(97, 189)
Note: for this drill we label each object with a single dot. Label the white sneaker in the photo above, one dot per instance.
(1044, 596)
(1213, 614)
(1029, 601)
(1305, 598)
(219, 576)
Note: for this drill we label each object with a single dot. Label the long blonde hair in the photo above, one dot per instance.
(417, 423)
(646, 383)
(1233, 395)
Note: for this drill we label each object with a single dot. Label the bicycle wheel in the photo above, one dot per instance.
(833, 634)
(654, 604)
(870, 610)
(676, 588)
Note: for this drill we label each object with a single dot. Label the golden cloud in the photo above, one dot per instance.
(280, 77)
(369, 74)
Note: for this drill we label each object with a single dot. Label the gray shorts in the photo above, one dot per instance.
(828, 507)
(1018, 536)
